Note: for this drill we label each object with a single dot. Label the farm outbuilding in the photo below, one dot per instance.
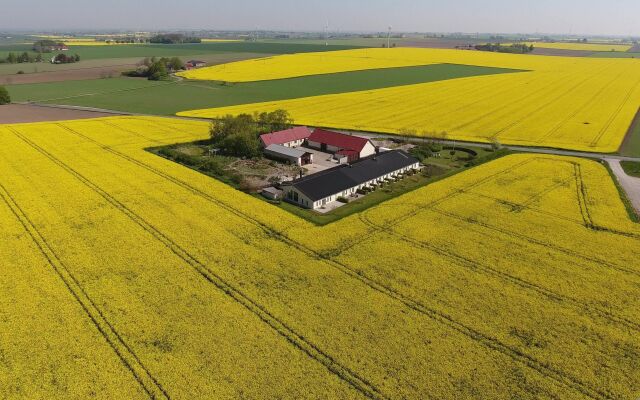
(315, 191)
(293, 137)
(353, 147)
(288, 154)
(191, 64)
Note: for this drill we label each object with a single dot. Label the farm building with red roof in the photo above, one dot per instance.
(352, 147)
(289, 138)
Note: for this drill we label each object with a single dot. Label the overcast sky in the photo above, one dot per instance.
(613, 17)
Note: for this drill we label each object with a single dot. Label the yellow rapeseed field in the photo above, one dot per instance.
(126, 275)
(581, 46)
(571, 103)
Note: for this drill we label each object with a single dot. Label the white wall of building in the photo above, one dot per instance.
(368, 150)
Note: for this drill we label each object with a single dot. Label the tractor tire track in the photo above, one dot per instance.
(287, 333)
(474, 266)
(436, 315)
(127, 356)
(606, 126)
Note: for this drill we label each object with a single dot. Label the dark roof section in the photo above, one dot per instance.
(335, 180)
(286, 136)
(346, 142)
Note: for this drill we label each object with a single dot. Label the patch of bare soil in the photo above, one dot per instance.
(110, 71)
(18, 113)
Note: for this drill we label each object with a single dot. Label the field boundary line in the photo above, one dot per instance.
(126, 355)
(438, 316)
(282, 329)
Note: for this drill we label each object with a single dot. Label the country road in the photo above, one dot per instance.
(630, 184)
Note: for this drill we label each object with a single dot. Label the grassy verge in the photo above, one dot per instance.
(633, 215)
(189, 95)
(631, 144)
(632, 168)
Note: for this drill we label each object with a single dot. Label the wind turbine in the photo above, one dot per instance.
(326, 34)
(389, 38)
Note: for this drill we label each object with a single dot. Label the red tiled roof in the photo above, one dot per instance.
(345, 142)
(289, 135)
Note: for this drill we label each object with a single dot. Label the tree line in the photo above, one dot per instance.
(516, 48)
(174, 38)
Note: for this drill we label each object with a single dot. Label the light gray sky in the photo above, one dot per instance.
(612, 17)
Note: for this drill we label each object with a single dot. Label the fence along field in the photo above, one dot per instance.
(386, 304)
(578, 104)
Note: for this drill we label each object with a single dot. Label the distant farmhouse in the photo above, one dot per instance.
(191, 64)
(293, 137)
(342, 146)
(315, 191)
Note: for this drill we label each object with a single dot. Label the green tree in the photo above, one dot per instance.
(243, 144)
(230, 125)
(175, 64)
(274, 121)
(4, 96)
(12, 59)
(158, 71)
(237, 136)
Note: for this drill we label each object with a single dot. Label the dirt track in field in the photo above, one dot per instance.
(66, 75)
(18, 113)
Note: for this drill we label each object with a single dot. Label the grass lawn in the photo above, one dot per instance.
(168, 99)
(631, 145)
(632, 168)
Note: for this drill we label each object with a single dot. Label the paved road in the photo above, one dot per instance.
(630, 184)
(560, 152)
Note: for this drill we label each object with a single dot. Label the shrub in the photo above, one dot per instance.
(4, 96)
(342, 199)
